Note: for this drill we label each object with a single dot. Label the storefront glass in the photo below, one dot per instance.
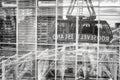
(60, 40)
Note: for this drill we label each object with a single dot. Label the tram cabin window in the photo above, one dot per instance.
(105, 29)
(85, 27)
(72, 27)
(92, 28)
(62, 27)
(89, 28)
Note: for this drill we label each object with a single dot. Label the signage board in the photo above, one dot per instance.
(87, 32)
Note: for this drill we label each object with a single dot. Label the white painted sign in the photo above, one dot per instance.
(82, 37)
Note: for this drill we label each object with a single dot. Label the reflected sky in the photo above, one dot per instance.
(108, 9)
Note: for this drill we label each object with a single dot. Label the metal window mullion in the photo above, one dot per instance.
(36, 67)
(77, 37)
(76, 52)
(3, 70)
(17, 41)
(56, 18)
(98, 40)
(63, 64)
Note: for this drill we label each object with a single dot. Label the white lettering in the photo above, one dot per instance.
(83, 37)
(53, 37)
(88, 37)
(95, 37)
(71, 36)
(61, 37)
(101, 38)
(107, 39)
(92, 37)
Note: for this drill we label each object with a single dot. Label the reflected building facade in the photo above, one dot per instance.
(35, 45)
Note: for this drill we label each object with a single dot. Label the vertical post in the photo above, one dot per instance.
(63, 65)
(36, 65)
(76, 51)
(77, 37)
(56, 18)
(98, 40)
(115, 68)
(16, 69)
(3, 70)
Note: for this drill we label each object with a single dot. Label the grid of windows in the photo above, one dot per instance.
(59, 39)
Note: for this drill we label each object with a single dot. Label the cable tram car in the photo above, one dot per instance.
(87, 27)
(87, 31)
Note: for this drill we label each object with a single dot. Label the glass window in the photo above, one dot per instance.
(89, 28)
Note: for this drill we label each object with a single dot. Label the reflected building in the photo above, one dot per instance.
(46, 18)
(83, 50)
(116, 33)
